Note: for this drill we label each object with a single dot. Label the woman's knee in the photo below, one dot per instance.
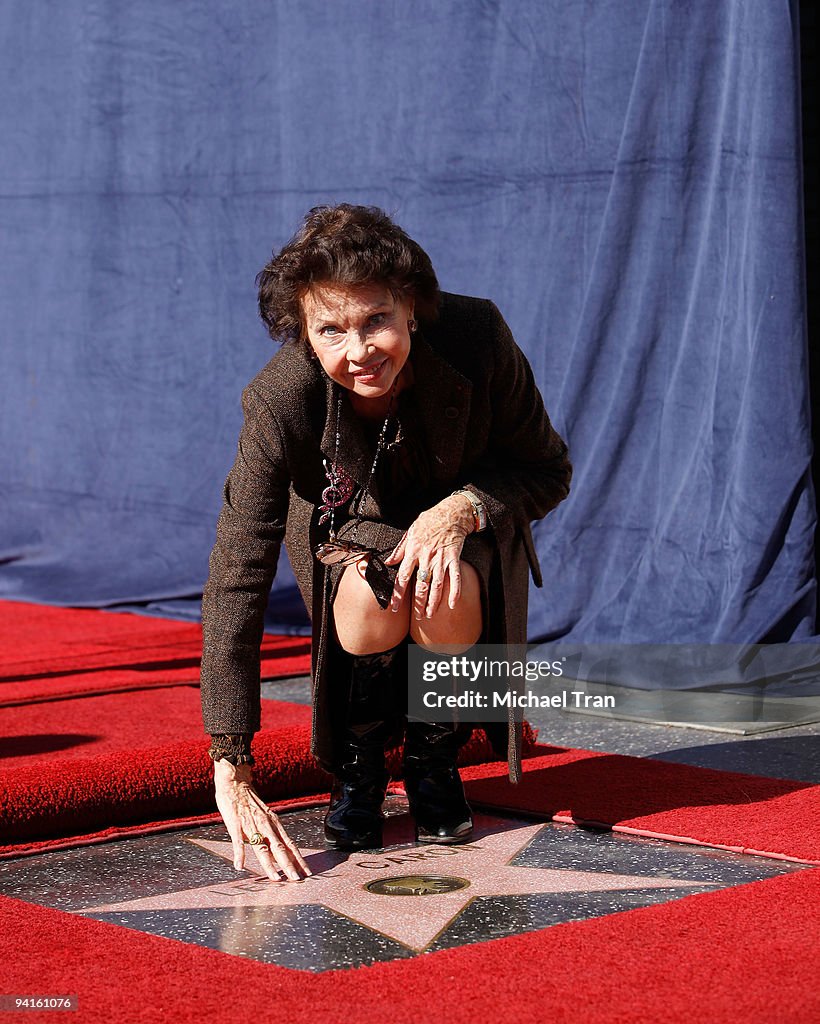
(453, 627)
(362, 625)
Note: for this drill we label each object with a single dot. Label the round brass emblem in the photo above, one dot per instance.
(416, 885)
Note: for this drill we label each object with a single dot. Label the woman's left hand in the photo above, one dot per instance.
(433, 546)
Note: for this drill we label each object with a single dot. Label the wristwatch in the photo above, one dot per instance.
(479, 511)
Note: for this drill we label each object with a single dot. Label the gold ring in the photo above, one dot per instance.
(257, 839)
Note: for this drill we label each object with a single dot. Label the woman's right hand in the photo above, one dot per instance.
(245, 813)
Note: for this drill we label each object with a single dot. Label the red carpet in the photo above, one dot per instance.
(97, 734)
(96, 731)
(59, 803)
(72, 797)
(743, 813)
(91, 766)
(56, 731)
(48, 653)
(43, 803)
(743, 954)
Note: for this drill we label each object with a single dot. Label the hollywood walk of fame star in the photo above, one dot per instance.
(479, 868)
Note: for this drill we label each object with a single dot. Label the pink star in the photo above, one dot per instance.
(414, 921)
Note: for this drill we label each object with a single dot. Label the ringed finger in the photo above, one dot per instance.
(421, 593)
(265, 855)
(281, 845)
(250, 829)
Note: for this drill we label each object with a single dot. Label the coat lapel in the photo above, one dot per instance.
(444, 408)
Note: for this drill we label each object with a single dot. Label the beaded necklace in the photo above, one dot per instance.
(340, 488)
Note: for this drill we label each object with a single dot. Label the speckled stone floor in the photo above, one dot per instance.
(401, 901)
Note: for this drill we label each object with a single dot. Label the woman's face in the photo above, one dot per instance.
(360, 335)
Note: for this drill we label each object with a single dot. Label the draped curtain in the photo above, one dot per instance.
(622, 177)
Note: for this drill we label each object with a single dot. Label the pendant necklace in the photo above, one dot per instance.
(340, 485)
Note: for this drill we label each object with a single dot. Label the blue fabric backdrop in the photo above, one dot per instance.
(622, 177)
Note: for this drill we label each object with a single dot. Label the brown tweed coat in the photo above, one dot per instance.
(484, 425)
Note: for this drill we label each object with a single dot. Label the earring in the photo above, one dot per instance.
(412, 325)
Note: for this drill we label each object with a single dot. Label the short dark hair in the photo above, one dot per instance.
(343, 244)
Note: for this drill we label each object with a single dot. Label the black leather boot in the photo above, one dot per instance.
(354, 818)
(432, 783)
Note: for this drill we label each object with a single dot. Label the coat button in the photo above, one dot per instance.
(451, 412)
